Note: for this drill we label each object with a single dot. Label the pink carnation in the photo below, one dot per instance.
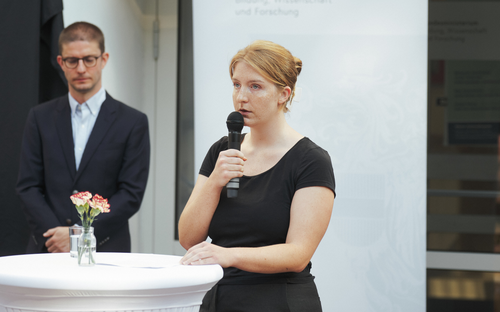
(80, 199)
(99, 203)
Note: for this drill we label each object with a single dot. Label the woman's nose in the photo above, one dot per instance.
(242, 95)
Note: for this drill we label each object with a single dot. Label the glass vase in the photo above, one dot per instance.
(86, 247)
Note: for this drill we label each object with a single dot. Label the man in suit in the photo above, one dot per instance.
(83, 141)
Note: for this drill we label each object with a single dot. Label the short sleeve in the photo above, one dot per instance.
(210, 160)
(316, 169)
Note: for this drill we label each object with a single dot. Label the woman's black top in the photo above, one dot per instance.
(260, 214)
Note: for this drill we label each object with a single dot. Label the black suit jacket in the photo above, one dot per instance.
(115, 165)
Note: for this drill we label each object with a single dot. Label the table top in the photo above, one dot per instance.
(113, 271)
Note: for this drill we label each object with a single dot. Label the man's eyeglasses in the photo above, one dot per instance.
(72, 62)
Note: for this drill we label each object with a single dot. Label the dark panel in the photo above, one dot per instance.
(20, 34)
(447, 305)
(185, 110)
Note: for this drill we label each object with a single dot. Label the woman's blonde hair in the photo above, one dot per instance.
(272, 61)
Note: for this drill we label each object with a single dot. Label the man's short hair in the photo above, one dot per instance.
(81, 31)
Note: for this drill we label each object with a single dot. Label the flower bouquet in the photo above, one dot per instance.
(88, 208)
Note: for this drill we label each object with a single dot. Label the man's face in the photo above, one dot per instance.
(83, 81)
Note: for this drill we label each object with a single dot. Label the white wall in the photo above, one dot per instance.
(133, 77)
(364, 101)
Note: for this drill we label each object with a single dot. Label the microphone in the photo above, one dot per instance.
(234, 124)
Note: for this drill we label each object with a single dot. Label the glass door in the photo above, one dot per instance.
(463, 194)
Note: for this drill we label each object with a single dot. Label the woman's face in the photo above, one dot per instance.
(254, 96)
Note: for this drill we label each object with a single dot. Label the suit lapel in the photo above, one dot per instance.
(62, 120)
(105, 119)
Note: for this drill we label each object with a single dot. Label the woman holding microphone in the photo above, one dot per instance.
(266, 236)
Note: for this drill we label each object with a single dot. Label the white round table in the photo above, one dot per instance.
(118, 282)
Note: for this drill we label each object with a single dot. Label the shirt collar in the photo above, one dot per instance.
(94, 103)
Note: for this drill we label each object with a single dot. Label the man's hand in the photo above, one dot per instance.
(59, 239)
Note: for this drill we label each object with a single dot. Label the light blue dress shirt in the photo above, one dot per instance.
(83, 117)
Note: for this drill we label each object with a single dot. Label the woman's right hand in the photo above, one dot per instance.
(198, 212)
(230, 164)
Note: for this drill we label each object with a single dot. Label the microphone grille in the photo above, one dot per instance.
(235, 122)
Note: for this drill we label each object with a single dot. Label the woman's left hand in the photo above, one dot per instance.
(206, 253)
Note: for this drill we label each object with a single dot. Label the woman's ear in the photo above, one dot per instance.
(284, 95)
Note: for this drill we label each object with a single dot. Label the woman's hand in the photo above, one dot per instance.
(229, 165)
(206, 253)
(199, 210)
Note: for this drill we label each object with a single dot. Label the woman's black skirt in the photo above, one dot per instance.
(274, 297)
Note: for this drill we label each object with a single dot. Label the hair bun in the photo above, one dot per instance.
(298, 64)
